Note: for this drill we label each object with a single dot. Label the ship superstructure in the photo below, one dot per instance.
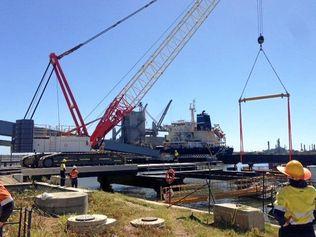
(196, 137)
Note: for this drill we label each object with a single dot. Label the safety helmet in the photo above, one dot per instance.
(295, 170)
(74, 167)
(64, 161)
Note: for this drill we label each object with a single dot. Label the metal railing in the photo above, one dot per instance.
(24, 221)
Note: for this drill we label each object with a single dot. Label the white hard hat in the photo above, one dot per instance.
(74, 167)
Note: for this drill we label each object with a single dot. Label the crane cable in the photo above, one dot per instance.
(105, 30)
(71, 51)
(260, 42)
(137, 62)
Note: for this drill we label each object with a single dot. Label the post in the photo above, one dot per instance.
(20, 222)
(289, 128)
(241, 134)
(29, 222)
(263, 190)
(24, 223)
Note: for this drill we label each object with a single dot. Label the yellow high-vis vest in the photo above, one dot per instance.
(297, 203)
(62, 166)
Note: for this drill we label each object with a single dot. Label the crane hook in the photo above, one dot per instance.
(260, 40)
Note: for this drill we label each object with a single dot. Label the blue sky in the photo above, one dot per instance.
(211, 69)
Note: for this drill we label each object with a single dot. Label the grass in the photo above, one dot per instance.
(125, 209)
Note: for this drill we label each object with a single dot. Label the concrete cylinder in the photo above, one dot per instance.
(62, 203)
(154, 222)
(89, 225)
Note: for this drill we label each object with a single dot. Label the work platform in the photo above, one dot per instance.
(85, 171)
(101, 170)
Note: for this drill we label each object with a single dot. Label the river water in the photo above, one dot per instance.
(150, 194)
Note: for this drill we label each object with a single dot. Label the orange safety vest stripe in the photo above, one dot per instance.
(4, 193)
(74, 174)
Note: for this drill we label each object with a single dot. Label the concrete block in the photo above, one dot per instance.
(240, 216)
(55, 179)
(61, 203)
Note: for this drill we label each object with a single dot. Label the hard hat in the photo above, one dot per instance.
(295, 170)
(64, 160)
(74, 167)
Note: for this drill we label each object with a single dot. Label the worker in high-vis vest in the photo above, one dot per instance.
(176, 155)
(74, 176)
(295, 203)
(63, 172)
(7, 206)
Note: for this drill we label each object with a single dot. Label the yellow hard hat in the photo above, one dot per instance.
(295, 170)
(64, 161)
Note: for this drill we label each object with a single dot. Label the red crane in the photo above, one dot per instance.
(145, 78)
(131, 95)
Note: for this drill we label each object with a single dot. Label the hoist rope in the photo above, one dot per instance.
(275, 72)
(260, 17)
(36, 92)
(74, 49)
(137, 62)
(260, 41)
(250, 73)
(105, 30)
(39, 100)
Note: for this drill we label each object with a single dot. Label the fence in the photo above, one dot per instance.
(24, 221)
(189, 193)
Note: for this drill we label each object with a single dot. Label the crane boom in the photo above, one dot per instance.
(163, 115)
(70, 99)
(154, 67)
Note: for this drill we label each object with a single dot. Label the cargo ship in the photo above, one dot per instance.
(197, 137)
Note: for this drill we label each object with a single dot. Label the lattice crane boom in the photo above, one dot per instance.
(148, 74)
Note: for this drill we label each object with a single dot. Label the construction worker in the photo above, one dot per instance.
(295, 203)
(74, 176)
(7, 206)
(176, 155)
(63, 172)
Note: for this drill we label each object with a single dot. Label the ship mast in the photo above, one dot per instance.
(192, 108)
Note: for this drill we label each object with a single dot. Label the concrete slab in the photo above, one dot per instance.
(240, 216)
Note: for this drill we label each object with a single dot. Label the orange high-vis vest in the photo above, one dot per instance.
(4, 194)
(73, 173)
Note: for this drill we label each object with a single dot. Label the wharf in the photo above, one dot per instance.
(305, 159)
(85, 171)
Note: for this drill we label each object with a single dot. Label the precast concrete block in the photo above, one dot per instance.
(240, 216)
(148, 222)
(61, 203)
(89, 225)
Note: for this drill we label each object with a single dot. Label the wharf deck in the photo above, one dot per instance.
(85, 171)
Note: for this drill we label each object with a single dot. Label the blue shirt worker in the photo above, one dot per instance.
(295, 203)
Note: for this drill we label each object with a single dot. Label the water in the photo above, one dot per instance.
(139, 192)
(150, 194)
